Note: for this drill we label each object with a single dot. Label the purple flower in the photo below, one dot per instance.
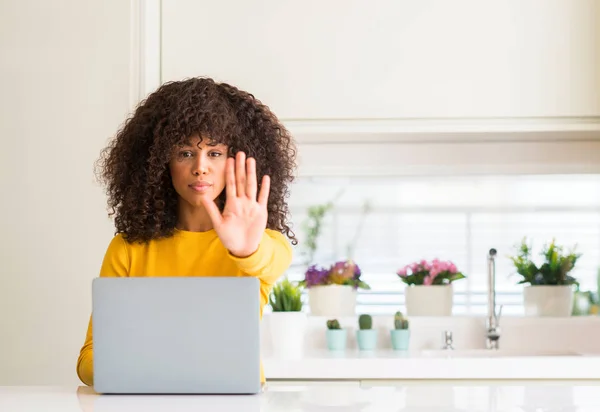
(357, 271)
(316, 276)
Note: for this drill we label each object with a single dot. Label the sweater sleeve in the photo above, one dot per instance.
(116, 263)
(272, 258)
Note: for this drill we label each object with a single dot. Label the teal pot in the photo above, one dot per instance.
(367, 339)
(400, 338)
(336, 339)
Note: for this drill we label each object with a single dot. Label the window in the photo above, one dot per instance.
(453, 218)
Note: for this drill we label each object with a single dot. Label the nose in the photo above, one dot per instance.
(200, 166)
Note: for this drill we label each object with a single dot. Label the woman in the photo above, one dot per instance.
(197, 181)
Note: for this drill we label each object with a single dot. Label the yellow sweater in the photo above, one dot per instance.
(188, 254)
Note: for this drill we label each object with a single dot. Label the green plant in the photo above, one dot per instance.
(365, 322)
(554, 269)
(286, 297)
(313, 225)
(333, 324)
(399, 321)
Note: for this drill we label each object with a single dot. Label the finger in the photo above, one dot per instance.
(251, 178)
(213, 211)
(230, 191)
(240, 173)
(263, 196)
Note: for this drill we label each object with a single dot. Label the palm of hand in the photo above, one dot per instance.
(244, 219)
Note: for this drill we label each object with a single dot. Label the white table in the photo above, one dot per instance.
(505, 396)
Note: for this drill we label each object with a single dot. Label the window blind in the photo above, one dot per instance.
(451, 218)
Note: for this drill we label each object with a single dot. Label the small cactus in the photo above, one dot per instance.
(399, 321)
(365, 322)
(333, 324)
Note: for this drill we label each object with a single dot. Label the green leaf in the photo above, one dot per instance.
(286, 297)
(363, 285)
(553, 270)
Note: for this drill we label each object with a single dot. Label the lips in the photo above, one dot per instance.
(200, 186)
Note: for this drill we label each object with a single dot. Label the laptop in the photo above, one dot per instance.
(176, 335)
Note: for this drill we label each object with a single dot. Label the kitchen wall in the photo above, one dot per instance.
(66, 87)
(425, 88)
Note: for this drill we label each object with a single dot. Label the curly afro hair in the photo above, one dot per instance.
(134, 166)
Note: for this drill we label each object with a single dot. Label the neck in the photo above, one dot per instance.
(192, 218)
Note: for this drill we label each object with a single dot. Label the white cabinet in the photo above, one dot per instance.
(393, 59)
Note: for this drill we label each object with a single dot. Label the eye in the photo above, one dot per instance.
(185, 154)
(215, 154)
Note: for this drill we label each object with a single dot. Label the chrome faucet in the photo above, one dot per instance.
(492, 324)
(447, 341)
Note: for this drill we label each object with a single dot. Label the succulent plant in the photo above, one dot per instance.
(333, 324)
(399, 321)
(365, 322)
(286, 297)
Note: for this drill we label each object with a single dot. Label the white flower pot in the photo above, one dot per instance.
(332, 300)
(548, 300)
(431, 300)
(287, 330)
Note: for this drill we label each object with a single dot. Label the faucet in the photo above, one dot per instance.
(447, 345)
(492, 324)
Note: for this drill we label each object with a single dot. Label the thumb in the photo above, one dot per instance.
(213, 211)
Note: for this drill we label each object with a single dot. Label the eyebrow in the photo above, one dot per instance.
(211, 143)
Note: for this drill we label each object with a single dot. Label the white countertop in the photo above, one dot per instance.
(437, 364)
(508, 396)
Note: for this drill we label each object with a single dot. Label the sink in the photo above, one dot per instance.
(493, 353)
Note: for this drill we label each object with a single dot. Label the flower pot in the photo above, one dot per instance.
(431, 300)
(332, 300)
(366, 339)
(548, 300)
(287, 330)
(400, 338)
(336, 339)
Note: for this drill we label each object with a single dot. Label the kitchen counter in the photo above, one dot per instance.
(435, 364)
(508, 396)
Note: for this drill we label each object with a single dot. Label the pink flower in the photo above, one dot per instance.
(453, 268)
(428, 280)
(402, 272)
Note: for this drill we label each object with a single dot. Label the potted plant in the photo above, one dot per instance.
(400, 334)
(287, 322)
(336, 336)
(365, 335)
(332, 291)
(429, 287)
(550, 288)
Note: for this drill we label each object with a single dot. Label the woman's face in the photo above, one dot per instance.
(198, 170)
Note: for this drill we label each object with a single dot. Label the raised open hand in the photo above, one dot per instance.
(244, 219)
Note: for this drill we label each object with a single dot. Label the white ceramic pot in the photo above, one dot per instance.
(431, 300)
(548, 300)
(287, 330)
(332, 300)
